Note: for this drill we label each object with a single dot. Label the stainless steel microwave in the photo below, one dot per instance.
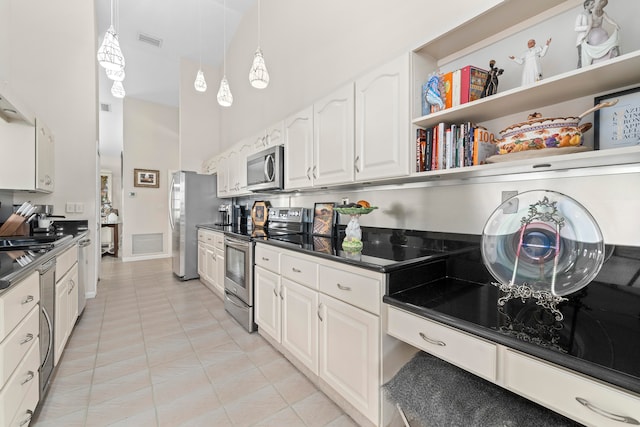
(265, 170)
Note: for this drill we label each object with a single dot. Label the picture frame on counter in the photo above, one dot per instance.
(146, 178)
(324, 218)
(619, 125)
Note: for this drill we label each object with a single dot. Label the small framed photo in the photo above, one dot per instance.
(324, 218)
(146, 178)
(619, 125)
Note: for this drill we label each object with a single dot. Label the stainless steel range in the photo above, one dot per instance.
(238, 261)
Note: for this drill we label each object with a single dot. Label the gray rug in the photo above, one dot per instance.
(434, 393)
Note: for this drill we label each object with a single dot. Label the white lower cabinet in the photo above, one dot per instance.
(571, 394)
(66, 310)
(316, 313)
(300, 323)
(211, 260)
(349, 354)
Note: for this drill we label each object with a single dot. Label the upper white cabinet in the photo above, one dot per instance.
(382, 122)
(298, 146)
(270, 137)
(28, 163)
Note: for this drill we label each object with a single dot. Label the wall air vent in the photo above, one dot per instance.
(105, 107)
(153, 41)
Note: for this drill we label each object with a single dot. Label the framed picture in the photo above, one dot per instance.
(146, 178)
(323, 218)
(619, 125)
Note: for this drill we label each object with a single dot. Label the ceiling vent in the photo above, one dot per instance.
(153, 41)
(105, 107)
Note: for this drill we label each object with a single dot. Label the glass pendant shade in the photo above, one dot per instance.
(109, 55)
(115, 75)
(259, 76)
(225, 98)
(200, 84)
(117, 90)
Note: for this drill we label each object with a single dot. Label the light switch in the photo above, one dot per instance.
(79, 207)
(70, 207)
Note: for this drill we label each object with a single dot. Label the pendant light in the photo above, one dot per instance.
(117, 90)
(109, 54)
(115, 75)
(258, 75)
(200, 84)
(225, 98)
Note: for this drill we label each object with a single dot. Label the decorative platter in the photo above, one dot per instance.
(355, 211)
(533, 154)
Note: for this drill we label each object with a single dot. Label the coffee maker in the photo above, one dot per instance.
(224, 214)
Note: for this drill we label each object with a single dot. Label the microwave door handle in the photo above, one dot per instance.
(270, 161)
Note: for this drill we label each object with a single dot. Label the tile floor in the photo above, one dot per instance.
(150, 350)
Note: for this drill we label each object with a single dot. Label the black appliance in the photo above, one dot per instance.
(265, 170)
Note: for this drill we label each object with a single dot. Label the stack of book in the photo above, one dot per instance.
(453, 146)
(457, 87)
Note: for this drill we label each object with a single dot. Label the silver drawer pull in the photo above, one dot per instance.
(275, 292)
(30, 376)
(265, 258)
(28, 299)
(295, 270)
(320, 308)
(26, 339)
(614, 417)
(343, 288)
(28, 419)
(431, 341)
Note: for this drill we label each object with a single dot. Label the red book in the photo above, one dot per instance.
(472, 81)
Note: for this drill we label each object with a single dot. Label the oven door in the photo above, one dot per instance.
(238, 269)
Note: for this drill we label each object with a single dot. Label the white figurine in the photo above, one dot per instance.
(597, 44)
(532, 71)
(582, 26)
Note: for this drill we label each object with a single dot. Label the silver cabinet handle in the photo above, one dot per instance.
(432, 341)
(295, 270)
(275, 292)
(265, 258)
(28, 419)
(314, 173)
(343, 288)
(28, 299)
(320, 308)
(26, 339)
(308, 176)
(355, 164)
(606, 414)
(29, 377)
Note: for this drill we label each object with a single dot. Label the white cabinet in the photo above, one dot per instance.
(31, 163)
(222, 171)
(298, 146)
(300, 323)
(270, 137)
(211, 259)
(232, 171)
(66, 309)
(333, 138)
(382, 122)
(19, 350)
(268, 303)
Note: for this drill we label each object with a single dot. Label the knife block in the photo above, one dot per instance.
(14, 226)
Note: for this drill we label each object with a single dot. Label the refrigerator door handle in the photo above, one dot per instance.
(172, 201)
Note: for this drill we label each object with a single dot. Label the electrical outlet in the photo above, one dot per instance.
(70, 207)
(79, 207)
(345, 200)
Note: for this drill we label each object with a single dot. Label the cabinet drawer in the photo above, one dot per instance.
(560, 389)
(267, 258)
(202, 235)
(218, 240)
(466, 351)
(19, 341)
(361, 291)
(299, 270)
(17, 302)
(206, 236)
(65, 261)
(27, 407)
(15, 390)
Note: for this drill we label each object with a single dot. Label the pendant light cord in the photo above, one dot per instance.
(259, 24)
(224, 41)
(200, 29)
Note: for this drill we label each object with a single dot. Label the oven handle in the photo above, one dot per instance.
(237, 244)
(228, 295)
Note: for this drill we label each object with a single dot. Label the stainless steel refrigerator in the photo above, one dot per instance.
(192, 201)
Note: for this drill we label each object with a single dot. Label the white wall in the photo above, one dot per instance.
(150, 142)
(48, 56)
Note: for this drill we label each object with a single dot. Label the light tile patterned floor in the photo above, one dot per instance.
(150, 350)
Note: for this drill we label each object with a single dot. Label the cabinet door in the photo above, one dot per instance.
(233, 175)
(241, 169)
(349, 354)
(333, 138)
(202, 259)
(223, 178)
(44, 158)
(298, 150)
(267, 305)
(219, 278)
(61, 332)
(17, 170)
(274, 135)
(72, 295)
(300, 323)
(382, 122)
(211, 266)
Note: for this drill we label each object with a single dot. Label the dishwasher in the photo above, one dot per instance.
(83, 272)
(47, 299)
